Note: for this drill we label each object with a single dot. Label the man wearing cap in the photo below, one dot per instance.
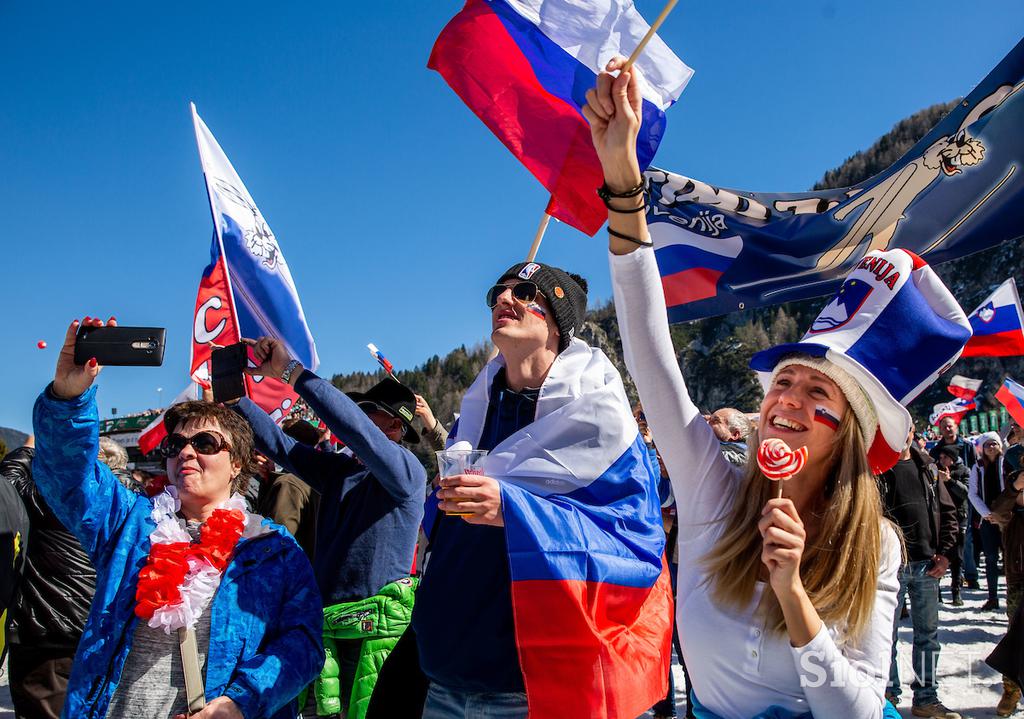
(371, 505)
(550, 595)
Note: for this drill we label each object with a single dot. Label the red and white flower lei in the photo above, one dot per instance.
(181, 576)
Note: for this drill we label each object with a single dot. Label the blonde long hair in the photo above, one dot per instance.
(840, 564)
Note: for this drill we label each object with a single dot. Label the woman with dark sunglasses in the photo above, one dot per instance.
(197, 600)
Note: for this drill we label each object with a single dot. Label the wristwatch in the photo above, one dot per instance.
(289, 369)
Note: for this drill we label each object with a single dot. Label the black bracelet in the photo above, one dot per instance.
(631, 211)
(634, 240)
(606, 193)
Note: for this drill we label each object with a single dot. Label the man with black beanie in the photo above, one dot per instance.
(536, 407)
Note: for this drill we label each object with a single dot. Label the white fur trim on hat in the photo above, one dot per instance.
(861, 405)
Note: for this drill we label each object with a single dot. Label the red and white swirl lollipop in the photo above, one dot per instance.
(778, 462)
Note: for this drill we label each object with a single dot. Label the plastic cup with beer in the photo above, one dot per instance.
(460, 458)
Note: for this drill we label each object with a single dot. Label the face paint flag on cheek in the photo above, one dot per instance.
(825, 416)
(534, 309)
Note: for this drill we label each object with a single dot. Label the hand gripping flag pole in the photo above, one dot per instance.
(546, 218)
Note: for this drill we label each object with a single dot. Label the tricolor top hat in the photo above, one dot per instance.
(892, 329)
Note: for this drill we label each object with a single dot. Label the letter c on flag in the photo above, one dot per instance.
(202, 335)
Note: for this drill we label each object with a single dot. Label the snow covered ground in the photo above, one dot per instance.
(966, 683)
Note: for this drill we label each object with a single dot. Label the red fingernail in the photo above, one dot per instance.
(112, 319)
(92, 362)
(87, 318)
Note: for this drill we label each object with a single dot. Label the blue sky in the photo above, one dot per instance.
(394, 206)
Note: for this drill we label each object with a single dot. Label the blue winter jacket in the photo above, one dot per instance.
(267, 619)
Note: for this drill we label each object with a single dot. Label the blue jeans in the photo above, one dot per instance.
(924, 614)
(444, 703)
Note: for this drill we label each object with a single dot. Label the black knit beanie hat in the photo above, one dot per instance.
(565, 292)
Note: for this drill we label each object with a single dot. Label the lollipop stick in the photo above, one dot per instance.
(778, 492)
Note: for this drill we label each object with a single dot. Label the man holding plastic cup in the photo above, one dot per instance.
(552, 557)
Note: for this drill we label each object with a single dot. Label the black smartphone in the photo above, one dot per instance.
(121, 346)
(226, 378)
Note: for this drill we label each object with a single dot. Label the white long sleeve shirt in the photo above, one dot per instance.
(737, 667)
(974, 483)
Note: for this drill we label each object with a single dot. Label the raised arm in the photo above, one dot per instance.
(313, 467)
(81, 491)
(687, 444)
(396, 468)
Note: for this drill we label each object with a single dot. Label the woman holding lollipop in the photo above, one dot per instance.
(785, 603)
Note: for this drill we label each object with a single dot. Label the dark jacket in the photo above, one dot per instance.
(14, 539)
(59, 580)
(937, 505)
(1010, 517)
(371, 504)
(957, 488)
(291, 503)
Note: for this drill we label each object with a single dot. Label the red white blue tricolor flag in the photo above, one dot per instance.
(955, 408)
(246, 290)
(1011, 395)
(998, 324)
(964, 387)
(524, 67)
(957, 191)
(591, 595)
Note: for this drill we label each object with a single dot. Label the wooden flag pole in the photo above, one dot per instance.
(541, 229)
(650, 33)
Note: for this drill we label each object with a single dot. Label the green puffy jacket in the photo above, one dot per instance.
(379, 621)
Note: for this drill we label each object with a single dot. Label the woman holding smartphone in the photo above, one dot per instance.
(192, 591)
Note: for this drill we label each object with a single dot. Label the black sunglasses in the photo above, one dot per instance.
(202, 442)
(522, 291)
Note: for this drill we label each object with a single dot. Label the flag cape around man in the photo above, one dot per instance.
(524, 66)
(591, 595)
(1011, 395)
(998, 324)
(960, 189)
(964, 387)
(246, 290)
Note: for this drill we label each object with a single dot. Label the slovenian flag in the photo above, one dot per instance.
(964, 387)
(1011, 395)
(247, 289)
(998, 325)
(524, 67)
(591, 595)
(956, 409)
(690, 264)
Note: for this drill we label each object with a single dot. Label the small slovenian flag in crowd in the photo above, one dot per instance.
(1011, 395)
(964, 387)
(524, 67)
(998, 325)
(956, 409)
